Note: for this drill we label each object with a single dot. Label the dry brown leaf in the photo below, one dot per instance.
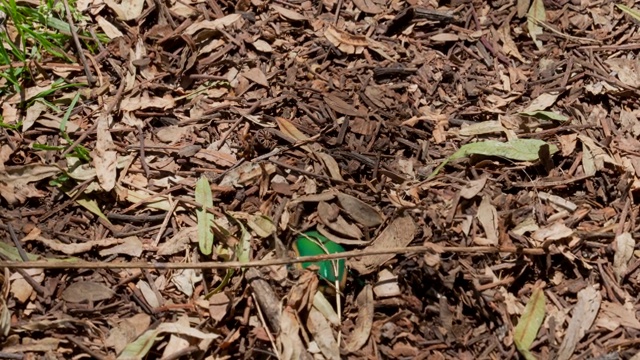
(584, 313)
(216, 24)
(618, 315)
(246, 174)
(488, 217)
(473, 188)
(553, 232)
(444, 37)
(522, 6)
(628, 70)
(337, 223)
(359, 211)
(150, 296)
(127, 9)
(14, 181)
(331, 164)
(288, 14)
(322, 334)
(542, 102)
(146, 102)
(364, 321)
(625, 244)
(262, 46)
(398, 234)
(108, 28)
(178, 242)
(485, 127)
(71, 248)
(216, 157)
(127, 330)
(368, 6)
(289, 343)
(558, 201)
(340, 106)
(290, 129)
(130, 245)
(302, 293)
(340, 240)
(387, 285)
(568, 144)
(536, 13)
(82, 291)
(218, 306)
(509, 47)
(351, 44)
(257, 76)
(105, 156)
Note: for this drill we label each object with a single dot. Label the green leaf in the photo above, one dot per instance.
(529, 324)
(205, 219)
(536, 14)
(547, 115)
(516, 149)
(92, 206)
(631, 12)
(138, 349)
(243, 248)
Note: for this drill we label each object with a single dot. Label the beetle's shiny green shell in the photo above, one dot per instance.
(313, 243)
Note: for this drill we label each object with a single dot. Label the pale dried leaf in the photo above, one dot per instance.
(584, 313)
(130, 245)
(398, 234)
(555, 231)
(257, 76)
(216, 24)
(262, 46)
(625, 245)
(331, 164)
(387, 285)
(322, 334)
(473, 188)
(351, 44)
(488, 217)
(105, 157)
(536, 12)
(108, 28)
(127, 9)
(445, 37)
(364, 322)
(288, 14)
(368, 6)
(357, 209)
(14, 181)
(542, 102)
(87, 291)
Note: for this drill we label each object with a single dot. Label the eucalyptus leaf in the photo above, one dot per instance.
(139, 348)
(529, 324)
(629, 11)
(547, 115)
(516, 149)
(205, 219)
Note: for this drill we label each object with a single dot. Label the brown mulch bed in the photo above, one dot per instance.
(334, 116)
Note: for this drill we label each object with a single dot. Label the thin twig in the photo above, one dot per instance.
(143, 159)
(174, 204)
(76, 40)
(42, 291)
(226, 135)
(269, 262)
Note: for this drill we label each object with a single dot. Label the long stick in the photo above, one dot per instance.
(270, 262)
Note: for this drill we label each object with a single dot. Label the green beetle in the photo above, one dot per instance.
(312, 243)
